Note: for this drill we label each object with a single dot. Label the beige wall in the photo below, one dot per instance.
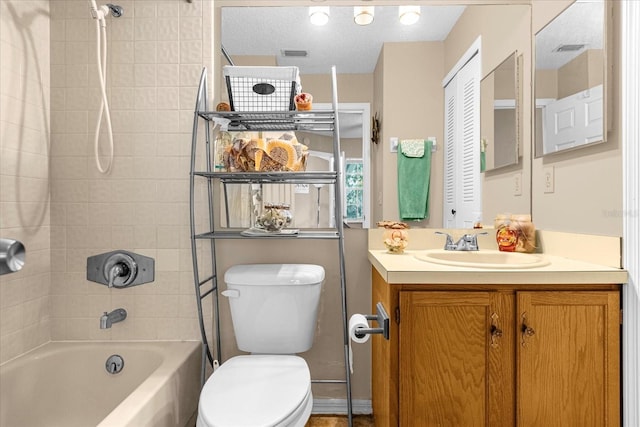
(582, 73)
(24, 172)
(546, 84)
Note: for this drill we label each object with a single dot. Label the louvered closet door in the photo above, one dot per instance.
(462, 191)
(449, 216)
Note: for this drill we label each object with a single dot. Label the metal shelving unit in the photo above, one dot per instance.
(310, 121)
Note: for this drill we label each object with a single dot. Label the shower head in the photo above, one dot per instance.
(116, 11)
(100, 13)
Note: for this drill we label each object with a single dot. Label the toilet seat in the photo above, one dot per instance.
(257, 390)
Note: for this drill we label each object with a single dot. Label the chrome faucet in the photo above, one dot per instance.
(117, 315)
(468, 242)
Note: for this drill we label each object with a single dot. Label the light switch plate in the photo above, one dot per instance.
(393, 144)
(434, 143)
(549, 179)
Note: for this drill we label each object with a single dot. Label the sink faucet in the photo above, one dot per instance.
(117, 315)
(468, 242)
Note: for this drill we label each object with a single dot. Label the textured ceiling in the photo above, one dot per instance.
(355, 49)
(576, 25)
(350, 47)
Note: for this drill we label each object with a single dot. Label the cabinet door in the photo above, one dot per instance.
(568, 359)
(453, 371)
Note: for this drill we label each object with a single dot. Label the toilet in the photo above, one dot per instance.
(274, 309)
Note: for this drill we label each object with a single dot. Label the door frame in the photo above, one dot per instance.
(630, 111)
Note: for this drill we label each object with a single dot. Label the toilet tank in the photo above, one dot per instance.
(274, 307)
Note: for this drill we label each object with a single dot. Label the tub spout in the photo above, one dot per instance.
(107, 319)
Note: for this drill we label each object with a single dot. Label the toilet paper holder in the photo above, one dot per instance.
(383, 321)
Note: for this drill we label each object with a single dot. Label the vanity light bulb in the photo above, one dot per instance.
(409, 15)
(319, 15)
(363, 15)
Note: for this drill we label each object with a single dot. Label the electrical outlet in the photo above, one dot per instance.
(549, 180)
(517, 184)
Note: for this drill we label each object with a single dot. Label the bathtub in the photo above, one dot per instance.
(66, 384)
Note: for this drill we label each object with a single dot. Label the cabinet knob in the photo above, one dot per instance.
(495, 334)
(495, 331)
(526, 331)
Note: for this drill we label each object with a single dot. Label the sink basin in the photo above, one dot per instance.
(483, 259)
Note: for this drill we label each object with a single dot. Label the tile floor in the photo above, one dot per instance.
(339, 421)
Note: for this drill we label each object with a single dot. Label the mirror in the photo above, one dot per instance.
(407, 67)
(499, 113)
(570, 76)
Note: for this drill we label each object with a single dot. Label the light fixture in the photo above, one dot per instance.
(319, 15)
(409, 15)
(363, 15)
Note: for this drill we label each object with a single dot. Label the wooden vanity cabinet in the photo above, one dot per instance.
(483, 355)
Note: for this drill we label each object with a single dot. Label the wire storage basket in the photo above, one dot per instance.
(262, 88)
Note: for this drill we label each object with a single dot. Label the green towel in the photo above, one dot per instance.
(414, 170)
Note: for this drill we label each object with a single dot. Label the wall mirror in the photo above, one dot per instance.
(499, 115)
(247, 33)
(570, 79)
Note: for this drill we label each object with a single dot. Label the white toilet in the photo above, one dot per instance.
(274, 309)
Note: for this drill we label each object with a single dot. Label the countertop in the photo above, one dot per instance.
(579, 269)
(407, 269)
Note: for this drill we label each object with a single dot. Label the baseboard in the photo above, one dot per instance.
(339, 406)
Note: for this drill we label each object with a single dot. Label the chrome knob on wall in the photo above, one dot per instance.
(12, 254)
(120, 270)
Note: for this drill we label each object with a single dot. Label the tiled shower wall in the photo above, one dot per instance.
(156, 51)
(24, 172)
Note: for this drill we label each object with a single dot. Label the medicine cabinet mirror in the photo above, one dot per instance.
(570, 79)
(499, 115)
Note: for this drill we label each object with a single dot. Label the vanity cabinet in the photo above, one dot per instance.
(497, 355)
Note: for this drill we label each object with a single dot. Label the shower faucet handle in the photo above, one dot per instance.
(120, 269)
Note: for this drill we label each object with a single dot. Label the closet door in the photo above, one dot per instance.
(462, 190)
(450, 175)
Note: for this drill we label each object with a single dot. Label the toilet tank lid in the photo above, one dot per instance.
(274, 274)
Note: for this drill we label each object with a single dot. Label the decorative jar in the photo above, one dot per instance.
(515, 233)
(395, 236)
(274, 217)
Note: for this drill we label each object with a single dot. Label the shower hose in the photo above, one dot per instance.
(101, 54)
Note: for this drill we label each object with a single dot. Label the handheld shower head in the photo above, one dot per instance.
(116, 11)
(100, 13)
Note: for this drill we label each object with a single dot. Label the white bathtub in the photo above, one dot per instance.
(65, 384)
